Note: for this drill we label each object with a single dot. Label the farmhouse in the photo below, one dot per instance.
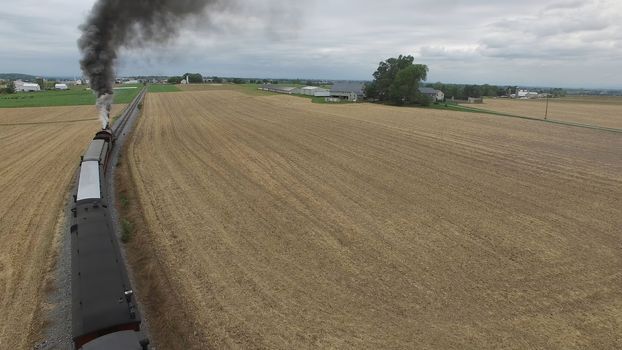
(435, 95)
(22, 86)
(351, 91)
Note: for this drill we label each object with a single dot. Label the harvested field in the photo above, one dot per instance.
(603, 111)
(272, 222)
(39, 152)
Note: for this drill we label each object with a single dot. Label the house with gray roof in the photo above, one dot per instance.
(435, 95)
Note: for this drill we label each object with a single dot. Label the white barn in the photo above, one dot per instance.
(26, 87)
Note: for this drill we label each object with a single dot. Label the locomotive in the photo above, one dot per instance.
(104, 310)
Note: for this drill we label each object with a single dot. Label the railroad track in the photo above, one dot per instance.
(120, 123)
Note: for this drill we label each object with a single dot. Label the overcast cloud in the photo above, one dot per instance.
(565, 43)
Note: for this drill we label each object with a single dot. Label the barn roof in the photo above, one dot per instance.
(427, 91)
(356, 87)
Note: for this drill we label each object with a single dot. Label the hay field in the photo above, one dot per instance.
(272, 222)
(39, 153)
(600, 111)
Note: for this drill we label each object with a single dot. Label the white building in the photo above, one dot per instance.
(22, 86)
(440, 96)
(278, 89)
(526, 94)
(312, 91)
(61, 87)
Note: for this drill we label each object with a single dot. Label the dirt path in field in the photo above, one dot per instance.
(39, 155)
(275, 223)
(604, 112)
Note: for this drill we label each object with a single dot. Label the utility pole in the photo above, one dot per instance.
(546, 111)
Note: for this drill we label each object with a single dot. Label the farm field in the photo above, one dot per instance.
(76, 96)
(272, 222)
(600, 111)
(248, 89)
(162, 88)
(39, 152)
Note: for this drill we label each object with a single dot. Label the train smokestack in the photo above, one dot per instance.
(113, 24)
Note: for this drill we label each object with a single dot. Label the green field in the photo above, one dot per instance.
(162, 88)
(75, 96)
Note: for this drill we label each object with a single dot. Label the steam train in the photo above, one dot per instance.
(104, 311)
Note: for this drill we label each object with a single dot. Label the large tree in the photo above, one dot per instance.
(194, 78)
(397, 80)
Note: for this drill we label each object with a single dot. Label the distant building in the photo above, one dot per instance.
(26, 87)
(60, 87)
(351, 91)
(133, 81)
(435, 95)
(312, 91)
(332, 99)
(440, 96)
(278, 89)
(525, 94)
(477, 100)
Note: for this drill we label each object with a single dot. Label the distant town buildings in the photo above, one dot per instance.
(523, 94)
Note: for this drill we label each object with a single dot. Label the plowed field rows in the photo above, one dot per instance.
(603, 111)
(272, 222)
(39, 152)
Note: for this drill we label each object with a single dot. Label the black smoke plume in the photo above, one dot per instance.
(113, 24)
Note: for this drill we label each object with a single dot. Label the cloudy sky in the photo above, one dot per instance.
(565, 43)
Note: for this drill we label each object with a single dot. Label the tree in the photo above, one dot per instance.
(175, 80)
(217, 80)
(194, 78)
(397, 80)
(10, 87)
(41, 83)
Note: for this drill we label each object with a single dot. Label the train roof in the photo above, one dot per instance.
(125, 340)
(89, 185)
(96, 150)
(99, 278)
